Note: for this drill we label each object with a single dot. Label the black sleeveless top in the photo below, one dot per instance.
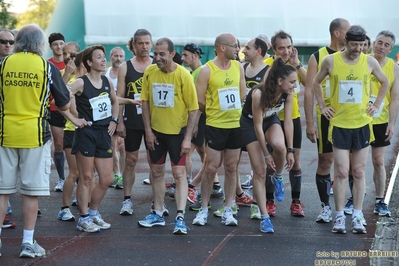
(103, 107)
(251, 82)
(134, 82)
(277, 107)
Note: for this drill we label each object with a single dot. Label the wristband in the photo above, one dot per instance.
(268, 156)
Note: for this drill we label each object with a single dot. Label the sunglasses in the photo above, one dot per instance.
(4, 41)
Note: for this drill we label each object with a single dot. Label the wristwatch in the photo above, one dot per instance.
(292, 150)
(299, 66)
(115, 119)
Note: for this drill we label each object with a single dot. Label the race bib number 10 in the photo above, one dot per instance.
(101, 107)
(163, 95)
(229, 99)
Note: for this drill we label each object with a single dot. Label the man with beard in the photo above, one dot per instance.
(350, 114)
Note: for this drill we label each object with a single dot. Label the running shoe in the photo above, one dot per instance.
(217, 192)
(266, 226)
(254, 212)
(248, 183)
(75, 202)
(348, 209)
(279, 192)
(119, 183)
(100, 222)
(152, 220)
(381, 209)
(339, 225)
(271, 208)
(9, 209)
(192, 195)
(228, 218)
(357, 226)
(31, 250)
(325, 215)
(297, 209)
(201, 218)
(245, 200)
(127, 207)
(147, 181)
(65, 215)
(87, 225)
(60, 186)
(180, 226)
(7, 223)
(165, 211)
(170, 190)
(219, 212)
(115, 181)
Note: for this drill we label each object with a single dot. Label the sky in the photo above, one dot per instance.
(18, 6)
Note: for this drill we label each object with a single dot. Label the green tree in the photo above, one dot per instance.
(6, 20)
(38, 12)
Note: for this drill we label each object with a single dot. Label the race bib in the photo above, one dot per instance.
(275, 110)
(350, 91)
(163, 95)
(327, 87)
(138, 107)
(298, 87)
(229, 99)
(101, 107)
(372, 100)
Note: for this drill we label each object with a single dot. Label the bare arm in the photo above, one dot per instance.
(311, 131)
(325, 69)
(289, 130)
(382, 78)
(115, 109)
(186, 144)
(393, 105)
(243, 87)
(201, 85)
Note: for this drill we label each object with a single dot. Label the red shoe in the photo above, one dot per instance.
(244, 200)
(192, 195)
(271, 208)
(297, 209)
(7, 223)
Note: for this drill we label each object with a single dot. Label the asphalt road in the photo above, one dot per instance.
(296, 241)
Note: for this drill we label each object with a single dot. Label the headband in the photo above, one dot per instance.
(355, 37)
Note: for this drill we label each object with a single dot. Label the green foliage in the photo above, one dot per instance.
(6, 20)
(39, 12)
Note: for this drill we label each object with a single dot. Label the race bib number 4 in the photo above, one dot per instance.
(229, 99)
(350, 91)
(163, 95)
(101, 107)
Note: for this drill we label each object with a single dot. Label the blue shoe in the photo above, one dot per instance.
(151, 220)
(279, 192)
(381, 209)
(348, 209)
(180, 226)
(9, 210)
(266, 226)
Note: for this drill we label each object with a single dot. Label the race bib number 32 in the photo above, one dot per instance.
(101, 107)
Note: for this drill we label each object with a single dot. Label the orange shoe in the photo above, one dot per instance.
(245, 200)
(297, 209)
(271, 208)
(192, 195)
